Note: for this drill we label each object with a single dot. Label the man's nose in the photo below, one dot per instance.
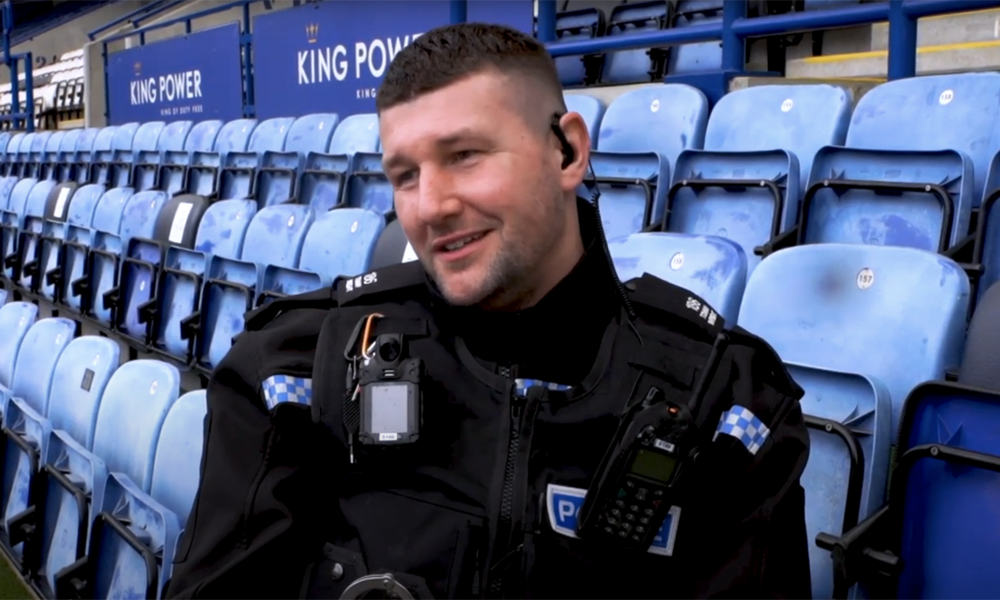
(437, 200)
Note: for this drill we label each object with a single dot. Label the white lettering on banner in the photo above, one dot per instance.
(185, 85)
(317, 65)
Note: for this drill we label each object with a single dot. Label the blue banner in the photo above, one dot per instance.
(332, 56)
(191, 77)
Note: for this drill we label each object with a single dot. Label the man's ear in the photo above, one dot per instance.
(577, 136)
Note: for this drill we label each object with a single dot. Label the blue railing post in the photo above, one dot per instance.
(29, 93)
(459, 11)
(733, 47)
(246, 41)
(547, 11)
(902, 42)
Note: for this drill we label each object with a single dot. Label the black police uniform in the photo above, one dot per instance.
(475, 508)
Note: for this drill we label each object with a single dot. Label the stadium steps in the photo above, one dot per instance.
(960, 42)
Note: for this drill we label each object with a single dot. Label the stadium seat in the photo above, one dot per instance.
(840, 316)
(392, 247)
(134, 297)
(239, 169)
(746, 184)
(713, 268)
(15, 320)
(126, 433)
(74, 285)
(118, 170)
(582, 24)
(203, 174)
(221, 234)
(148, 162)
(39, 206)
(279, 169)
(36, 154)
(592, 111)
(24, 426)
(698, 57)
(12, 224)
(77, 164)
(274, 237)
(78, 212)
(65, 158)
(642, 133)
(155, 515)
(49, 160)
(173, 172)
(640, 65)
(913, 167)
(101, 155)
(340, 243)
(325, 173)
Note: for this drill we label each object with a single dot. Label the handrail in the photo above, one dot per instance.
(184, 19)
(142, 10)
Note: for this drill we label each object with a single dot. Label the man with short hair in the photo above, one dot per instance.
(321, 478)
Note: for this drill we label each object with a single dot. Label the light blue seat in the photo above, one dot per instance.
(641, 65)
(80, 158)
(132, 409)
(582, 24)
(51, 156)
(36, 209)
(221, 233)
(77, 212)
(138, 220)
(3, 297)
(75, 291)
(713, 268)
(12, 158)
(36, 154)
(239, 169)
(156, 514)
(26, 429)
(4, 141)
(175, 162)
(279, 169)
(66, 155)
(203, 177)
(103, 151)
(11, 224)
(15, 320)
(148, 162)
(592, 111)
(940, 130)
(339, 243)
(759, 135)
(129, 139)
(840, 316)
(367, 187)
(325, 173)
(698, 57)
(144, 148)
(176, 224)
(274, 237)
(642, 133)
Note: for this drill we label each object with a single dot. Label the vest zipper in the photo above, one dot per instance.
(505, 521)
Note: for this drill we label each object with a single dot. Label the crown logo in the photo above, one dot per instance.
(312, 32)
(137, 67)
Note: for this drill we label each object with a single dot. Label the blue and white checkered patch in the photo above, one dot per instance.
(743, 425)
(522, 385)
(286, 388)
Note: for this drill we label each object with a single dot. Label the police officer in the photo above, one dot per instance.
(432, 429)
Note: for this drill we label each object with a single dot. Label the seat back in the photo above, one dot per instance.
(368, 190)
(819, 304)
(982, 349)
(583, 24)
(592, 111)
(36, 360)
(15, 320)
(356, 133)
(637, 65)
(270, 135)
(176, 466)
(202, 136)
(79, 381)
(698, 57)
(311, 133)
(135, 403)
(275, 235)
(173, 137)
(712, 267)
(234, 136)
(224, 226)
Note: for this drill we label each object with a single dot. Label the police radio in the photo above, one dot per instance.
(643, 472)
(391, 409)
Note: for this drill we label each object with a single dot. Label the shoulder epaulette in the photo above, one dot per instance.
(662, 296)
(395, 277)
(258, 318)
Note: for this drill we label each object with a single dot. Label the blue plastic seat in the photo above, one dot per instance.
(642, 133)
(582, 24)
(172, 176)
(592, 111)
(36, 154)
(274, 237)
(80, 158)
(74, 285)
(369, 189)
(239, 169)
(132, 409)
(138, 220)
(50, 159)
(355, 139)
(713, 268)
(840, 316)
(279, 169)
(25, 427)
(697, 57)
(640, 65)
(12, 224)
(65, 158)
(135, 296)
(940, 131)
(155, 514)
(39, 206)
(340, 243)
(221, 233)
(15, 320)
(12, 155)
(203, 174)
(147, 162)
(102, 153)
(76, 212)
(764, 137)
(117, 172)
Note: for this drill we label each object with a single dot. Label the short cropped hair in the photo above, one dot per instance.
(450, 53)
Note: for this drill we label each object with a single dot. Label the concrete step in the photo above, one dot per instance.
(974, 26)
(945, 58)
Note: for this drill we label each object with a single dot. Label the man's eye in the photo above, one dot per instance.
(403, 178)
(464, 155)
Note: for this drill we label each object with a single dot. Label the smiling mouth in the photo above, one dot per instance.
(463, 242)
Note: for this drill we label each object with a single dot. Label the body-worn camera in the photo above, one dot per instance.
(391, 408)
(637, 481)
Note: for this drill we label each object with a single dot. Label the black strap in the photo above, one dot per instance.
(350, 290)
(670, 300)
(258, 318)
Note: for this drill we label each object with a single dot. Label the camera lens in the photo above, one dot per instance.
(389, 350)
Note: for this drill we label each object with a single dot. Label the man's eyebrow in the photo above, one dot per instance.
(446, 141)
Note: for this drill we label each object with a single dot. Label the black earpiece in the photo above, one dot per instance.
(569, 154)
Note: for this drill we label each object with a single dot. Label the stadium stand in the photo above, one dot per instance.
(855, 232)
